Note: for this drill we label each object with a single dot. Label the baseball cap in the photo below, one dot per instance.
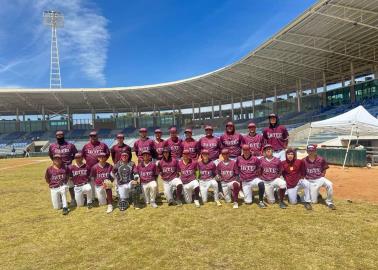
(93, 133)
(142, 130)
(311, 147)
(59, 132)
(267, 146)
(166, 149)
(57, 156)
(101, 154)
(158, 131)
(229, 124)
(172, 130)
(120, 135)
(78, 155)
(185, 152)
(272, 115)
(205, 152)
(225, 151)
(246, 147)
(146, 152)
(251, 125)
(124, 153)
(208, 127)
(188, 130)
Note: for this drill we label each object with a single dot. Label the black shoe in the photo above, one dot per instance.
(262, 205)
(178, 202)
(65, 211)
(308, 206)
(283, 205)
(171, 203)
(90, 205)
(73, 203)
(332, 206)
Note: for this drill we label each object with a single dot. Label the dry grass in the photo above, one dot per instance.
(34, 236)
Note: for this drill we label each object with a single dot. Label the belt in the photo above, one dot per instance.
(81, 185)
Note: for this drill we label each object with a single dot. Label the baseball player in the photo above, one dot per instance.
(119, 148)
(277, 136)
(57, 176)
(314, 171)
(271, 169)
(188, 169)
(158, 144)
(254, 140)
(123, 172)
(101, 175)
(232, 141)
(227, 173)
(79, 174)
(211, 144)
(67, 151)
(143, 144)
(292, 171)
(168, 170)
(249, 169)
(174, 143)
(207, 173)
(146, 171)
(190, 144)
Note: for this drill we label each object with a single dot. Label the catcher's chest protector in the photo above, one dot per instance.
(125, 173)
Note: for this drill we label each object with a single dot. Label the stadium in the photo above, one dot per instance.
(321, 66)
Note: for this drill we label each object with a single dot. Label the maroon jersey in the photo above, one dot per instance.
(187, 171)
(175, 146)
(100, 173)
(116, 151)
(91, 151)
(147, 172)
(228, 172)
(66, 150)
(56, 177)
(192, 146)
(168, 169)
(233, 143)
(249, 169)
(255, 143)
(212, 144)
(79, 174)
(142, 145)
(270, 169)
(314, 169)
(292, 172)
(207, 170)
(276, 137)
(159, 146)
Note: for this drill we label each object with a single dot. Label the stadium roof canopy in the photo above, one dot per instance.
(322, 45)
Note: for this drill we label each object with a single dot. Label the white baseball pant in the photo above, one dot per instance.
(58, 197)
(169, 186)
(188, 190)
(101, 195)
(124, 190)
(248, 189)
(204, 189)
(315, 186)
(93, 186)
(277, 183)
(79, 194)
(149, 191)
(292, 192)
(227, 189)
(280, 154)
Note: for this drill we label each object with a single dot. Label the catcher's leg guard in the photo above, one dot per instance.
(123, 205)
(136, 191)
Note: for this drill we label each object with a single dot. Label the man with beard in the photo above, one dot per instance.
(277, 136)
(232, 141)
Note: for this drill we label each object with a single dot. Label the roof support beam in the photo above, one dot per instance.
(353, 8)
(121, 98)
(258, 78)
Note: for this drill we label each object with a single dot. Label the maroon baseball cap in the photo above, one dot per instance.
(272, 115)
(124, 153)
(311, 147)
(59, 132)
(208, 127)
(120, 136)
(78, 155)
(229, 124)
(205, 152)
(158, 131)
(267, 146)
(166, 149)
(93, 133)
(251, 125)
(172, 130)
(142, 130)
(186, 152)
(225, 151)
(246, 147)
(56, 156)
(101, 154)
(188, 130)
(146, 152)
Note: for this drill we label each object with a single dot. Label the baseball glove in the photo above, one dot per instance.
(107, 184)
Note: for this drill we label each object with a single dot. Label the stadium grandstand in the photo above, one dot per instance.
(322, 64)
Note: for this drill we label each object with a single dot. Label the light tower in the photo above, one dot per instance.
(55, 20)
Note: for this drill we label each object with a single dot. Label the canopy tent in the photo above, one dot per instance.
(357, 122)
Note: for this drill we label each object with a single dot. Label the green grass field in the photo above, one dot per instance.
(34, 236)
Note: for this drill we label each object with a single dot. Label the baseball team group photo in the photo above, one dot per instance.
(201, 134)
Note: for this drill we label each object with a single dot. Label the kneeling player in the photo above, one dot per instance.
(57, 176)
(146, 171)
(292, 171)
(249, 168)
(168, 169)
(124, 174)
(270, 173)
(314, 171)
(208, 170)
(227, 173)
(101, 174)
(188, 169)
(79, 173)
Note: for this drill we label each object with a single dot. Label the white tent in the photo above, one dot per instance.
(357, 121)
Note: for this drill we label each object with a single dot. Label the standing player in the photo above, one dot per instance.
(168, 169)
(188, 169)
(249, 169)
(119, 148)
(79, 174)
(57, 176)
(146, 170)
(292, 171)
(277, 136)
(211, 144)
(271, 169)
(143, 144)
(315, 168)
(67, 151)
(101, 175)
(174, 143)
(93, 148)
(227, 173)
(158, 144)
(232, 141)
(190, 144)
(207, 172)
(254, 140)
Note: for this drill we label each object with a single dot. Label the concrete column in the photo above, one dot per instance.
(232, 108)
(17, 115)
(299, 94)
(220, 109)
(154, 122)
(342, 81)
(173, 115)
(352, 83)
(135, 117)
(193, 113)
(275, 106)
(253, 103)
(93, 119)
(43, 113)
(375, 71)
(199, 112)
(23, 117)
(324, 94)
(241, 109)
(212, 108)
(69, 116)
(314, 88)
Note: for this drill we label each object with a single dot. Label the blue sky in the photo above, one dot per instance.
(112, 43)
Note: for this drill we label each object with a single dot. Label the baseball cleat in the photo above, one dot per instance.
(109, 209)
(90, 205)
(332, 206)
(179, 203)
(236, 205)
(218, 203)
(308, 206)
(262, 205)
(283, 205)
(65, 211)
(171, 203)
(154, 205)
(197, 204)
